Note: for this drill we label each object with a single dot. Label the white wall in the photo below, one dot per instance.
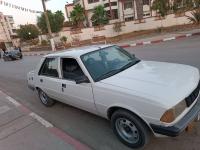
(151, 23)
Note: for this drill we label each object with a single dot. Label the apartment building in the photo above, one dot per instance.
(117, 10)
(7, 30)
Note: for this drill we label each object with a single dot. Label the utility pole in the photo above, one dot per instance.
(48, 25)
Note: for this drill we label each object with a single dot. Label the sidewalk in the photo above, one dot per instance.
(141, 40)
(157, 37)
(21, 129)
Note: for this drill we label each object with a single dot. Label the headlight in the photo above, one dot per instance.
(171, 114)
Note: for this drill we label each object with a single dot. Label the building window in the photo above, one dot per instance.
(146, 2)
(114, 13)
(112, 4)
(128, 5)
(92, 1)
(129, 19)
(147, 14)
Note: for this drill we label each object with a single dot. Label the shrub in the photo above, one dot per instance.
(44, 42)
(63, 39)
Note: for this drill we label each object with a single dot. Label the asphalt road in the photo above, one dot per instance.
(90, 129)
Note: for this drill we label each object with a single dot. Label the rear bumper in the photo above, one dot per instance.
(180, 126)
(31, 87)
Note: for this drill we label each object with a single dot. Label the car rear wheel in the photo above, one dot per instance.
(45, 99)
(130, 129)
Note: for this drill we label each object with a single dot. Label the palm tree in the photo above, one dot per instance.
(77, 15)
(195, 18)
(99, 16)
(139, 7)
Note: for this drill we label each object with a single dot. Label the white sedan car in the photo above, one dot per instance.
(138, 97)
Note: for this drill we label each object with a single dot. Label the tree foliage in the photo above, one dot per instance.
(185, 5)
(28, 32)
(197, 3)
(99, 16)
(56, 21)
(77, 15)
(161, 6)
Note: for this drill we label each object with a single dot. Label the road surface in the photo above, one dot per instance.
(90, 129)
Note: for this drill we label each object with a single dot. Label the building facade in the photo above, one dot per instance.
(117, 10)
(7, 30)
(68, 9)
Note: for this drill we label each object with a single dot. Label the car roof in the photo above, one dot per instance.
(77, 52)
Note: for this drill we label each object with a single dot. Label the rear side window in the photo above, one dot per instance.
(49, 68)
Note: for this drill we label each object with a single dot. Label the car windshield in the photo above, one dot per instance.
(106, 62)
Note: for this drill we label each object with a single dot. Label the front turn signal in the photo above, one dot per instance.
(168, 116)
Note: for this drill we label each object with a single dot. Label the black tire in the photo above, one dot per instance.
(130, 129)
(45, 99)
(6, 58)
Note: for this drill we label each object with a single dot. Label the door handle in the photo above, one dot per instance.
(63, 85)
(41, 80)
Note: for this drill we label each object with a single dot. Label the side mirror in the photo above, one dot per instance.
(82, 79)
(133, 55)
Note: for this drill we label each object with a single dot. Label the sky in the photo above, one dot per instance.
(22, 17)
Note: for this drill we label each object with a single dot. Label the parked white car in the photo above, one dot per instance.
(139, 97)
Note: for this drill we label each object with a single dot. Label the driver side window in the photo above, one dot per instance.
(70, 69)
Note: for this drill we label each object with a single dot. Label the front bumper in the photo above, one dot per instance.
(176, 129)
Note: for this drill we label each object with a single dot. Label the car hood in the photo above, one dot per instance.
(166, 83)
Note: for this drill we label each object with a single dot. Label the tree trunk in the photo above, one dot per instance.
(139, 7)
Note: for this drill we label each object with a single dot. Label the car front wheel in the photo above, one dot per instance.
(45, 99)
(130, 129)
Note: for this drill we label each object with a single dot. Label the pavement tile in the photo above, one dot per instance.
(10, 116)
(34, 137)
(15, 126)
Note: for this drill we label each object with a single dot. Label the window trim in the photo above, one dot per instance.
(94, 1)
(61, 70)
(42, 66)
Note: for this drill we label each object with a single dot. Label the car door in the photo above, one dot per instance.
(49, 78)
(78, 95)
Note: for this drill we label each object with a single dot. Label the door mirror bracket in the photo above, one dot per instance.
(82, 79)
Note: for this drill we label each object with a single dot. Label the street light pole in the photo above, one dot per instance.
(48, 25)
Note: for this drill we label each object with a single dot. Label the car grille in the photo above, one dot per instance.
(193, 96)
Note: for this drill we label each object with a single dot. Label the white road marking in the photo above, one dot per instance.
(188, 35)
(13, 101)
(169, 39)
(4, 109)
(147, 42)
(134, 44)
(41, 120)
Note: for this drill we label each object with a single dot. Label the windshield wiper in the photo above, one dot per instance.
(108, 74)
(129, 64)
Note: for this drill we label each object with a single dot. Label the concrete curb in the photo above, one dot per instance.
(159, 40)
(50, 127)
(137, 44)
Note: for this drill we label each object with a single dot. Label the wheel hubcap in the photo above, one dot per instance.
(43, 97)
(127, 130)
